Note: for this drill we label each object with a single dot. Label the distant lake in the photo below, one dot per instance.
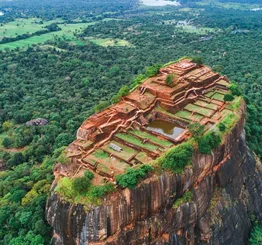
(159, 3)
(256, 9)
(1, 13)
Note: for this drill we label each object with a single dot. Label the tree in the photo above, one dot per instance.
(235, 90)
(256, 235)
(15, 159)
(196, 129)
(198, 60)
(208, 142)
(152, 70)
(222, 127)
(228, 97)
(7, 125)
(101, 106)
(7, 142)
(81, 185)
(132, 176)
(177, 158)
(63, 139)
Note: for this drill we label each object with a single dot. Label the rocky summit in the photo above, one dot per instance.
(167, 164)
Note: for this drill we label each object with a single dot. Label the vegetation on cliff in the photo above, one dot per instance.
(132, 176)
(256, 235)
(177, 158)
(186, 197)
(80, 190)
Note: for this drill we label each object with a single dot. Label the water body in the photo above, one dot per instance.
(1, 13)
(157, 3)
(165, 128)
(256, 9)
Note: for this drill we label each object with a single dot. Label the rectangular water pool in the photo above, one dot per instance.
(166, 128)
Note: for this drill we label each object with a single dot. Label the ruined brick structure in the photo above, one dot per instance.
(195, 95)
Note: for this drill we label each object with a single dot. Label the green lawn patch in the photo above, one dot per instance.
(206, 105)
(183, 114)
(197, 29)
(218, 96)
(136, 141)
(125, 154)
(209, 94)
(199, 109)
(152, 137)
(160, 109)
(100, 154)
(143, 157)
(187, 115)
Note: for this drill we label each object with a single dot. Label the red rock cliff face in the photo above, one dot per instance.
(226, 186)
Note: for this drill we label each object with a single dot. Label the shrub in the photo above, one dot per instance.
(256, 235)
(89, 175)
(198, 60)
(222, 127)
(100, 190)
(16, 159)
(170, 79)
(196, 129)
(229, 121)
(177, 158)
(63, 158)
(235, 90)
(208, 142)
(116, 98)
(101, 106)
(187, 197)
(7, 142)
(122, 92)
(152, 70)
(7, 125)
(138, 80)
(132, 176)
(228, 97)
(81, 185)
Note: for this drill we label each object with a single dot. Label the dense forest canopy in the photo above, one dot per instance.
(63, 82)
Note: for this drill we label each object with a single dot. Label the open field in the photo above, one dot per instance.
(105, 42)
(24, 26)
(67, 33)
(228, 5)
(197, 30)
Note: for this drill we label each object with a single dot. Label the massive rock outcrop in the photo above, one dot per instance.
(226, 187)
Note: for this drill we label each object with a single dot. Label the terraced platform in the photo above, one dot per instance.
(130, 132)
